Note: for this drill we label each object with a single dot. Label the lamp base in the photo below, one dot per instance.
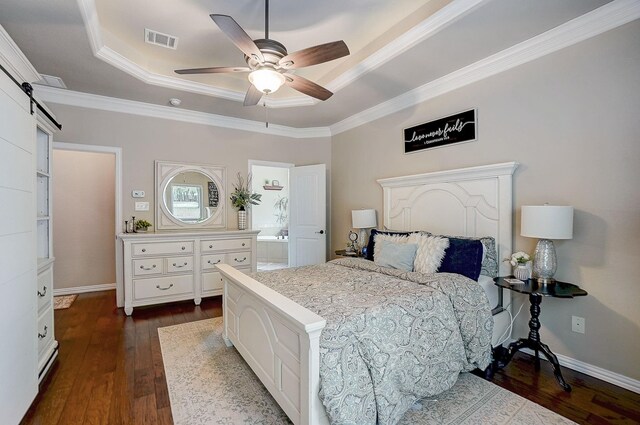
(546, 281)
(545, 263)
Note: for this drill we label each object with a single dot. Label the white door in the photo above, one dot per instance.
(308, 215)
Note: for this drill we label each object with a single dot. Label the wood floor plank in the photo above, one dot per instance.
(110, 371)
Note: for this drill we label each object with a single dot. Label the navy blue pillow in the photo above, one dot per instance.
(464, 256)
(372, 243)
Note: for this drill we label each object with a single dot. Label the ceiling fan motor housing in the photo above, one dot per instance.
(272, 51)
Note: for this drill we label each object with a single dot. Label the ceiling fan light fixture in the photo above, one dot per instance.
(267, 80)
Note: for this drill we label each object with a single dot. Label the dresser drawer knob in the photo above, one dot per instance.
(210, 246)
(43, 293)
(209, 261)
(148, 268)
(44, 335)
(240, 261)
(164, 289)
(243, 244)
(183, 248)
(144, 250)
(177, 266)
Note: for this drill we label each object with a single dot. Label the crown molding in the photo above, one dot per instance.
(420, 32)
(605, 18)
(427, 28)
(104, 103)
(14, 61)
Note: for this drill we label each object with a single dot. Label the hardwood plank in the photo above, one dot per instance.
(110, 370)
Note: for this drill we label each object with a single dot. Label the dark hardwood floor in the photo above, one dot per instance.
(110, 371)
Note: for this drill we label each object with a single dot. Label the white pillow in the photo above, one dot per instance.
(389, 238)
(431, 250)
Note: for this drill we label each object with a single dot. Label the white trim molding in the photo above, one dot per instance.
(112, 104)
(605, 18)
(595, 371)
(84, 289)
(427, 28)
(12, 58)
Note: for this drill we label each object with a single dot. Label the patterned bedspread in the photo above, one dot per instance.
(392, 337)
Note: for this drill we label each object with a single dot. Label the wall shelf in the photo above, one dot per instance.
(269, 187)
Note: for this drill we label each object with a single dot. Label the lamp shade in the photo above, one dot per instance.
(363, 219)
(547, 222)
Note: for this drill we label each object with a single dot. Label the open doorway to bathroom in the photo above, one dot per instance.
(271, 217)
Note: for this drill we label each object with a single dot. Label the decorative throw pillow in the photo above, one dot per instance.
(430, 253)
(396, 255)
(372, 240)
(387, 237)
(464, 256)
(489, 253)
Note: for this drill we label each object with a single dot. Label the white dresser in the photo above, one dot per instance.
(163, 267)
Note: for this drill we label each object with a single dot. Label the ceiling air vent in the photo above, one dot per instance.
(51, 81)
(160, 39)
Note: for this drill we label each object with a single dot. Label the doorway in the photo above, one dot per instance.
(86, 210)
(271, 216)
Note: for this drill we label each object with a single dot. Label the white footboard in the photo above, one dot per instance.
(279, 340)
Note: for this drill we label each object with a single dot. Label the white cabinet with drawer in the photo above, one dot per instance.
(165, 266)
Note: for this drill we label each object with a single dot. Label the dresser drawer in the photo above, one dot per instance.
(179, 264)
(45, 329)
(162, 287)
(238, 259)
(45, 287)
(210, 261)
(212, 282)
(147, 266)
(140, 249)
(225, 245)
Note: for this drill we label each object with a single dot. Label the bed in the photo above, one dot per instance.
(281, 340)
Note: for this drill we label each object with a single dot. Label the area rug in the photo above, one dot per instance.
(63, 301)
(211, 384)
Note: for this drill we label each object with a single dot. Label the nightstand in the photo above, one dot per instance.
(345, 253)
(502, 356)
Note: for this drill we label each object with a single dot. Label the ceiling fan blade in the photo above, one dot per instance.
(213, 70)
(253, 96)
(307, 87)
(315, 55)
(238, 36)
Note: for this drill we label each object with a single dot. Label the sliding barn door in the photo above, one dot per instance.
(308, 215)
(18, 315)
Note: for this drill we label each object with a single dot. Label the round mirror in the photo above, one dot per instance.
(191, 197)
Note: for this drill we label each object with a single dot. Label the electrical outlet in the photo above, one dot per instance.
(137, 193)
(142, 206)
(578, 324)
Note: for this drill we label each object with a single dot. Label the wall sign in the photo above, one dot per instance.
(455, 128)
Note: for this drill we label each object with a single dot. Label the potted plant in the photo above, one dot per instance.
(242, 198)
(142, 225)
(520, 262)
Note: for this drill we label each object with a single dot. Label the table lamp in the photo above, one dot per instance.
(363, 220)
(546, 222)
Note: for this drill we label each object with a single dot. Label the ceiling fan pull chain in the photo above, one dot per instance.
(266, 113)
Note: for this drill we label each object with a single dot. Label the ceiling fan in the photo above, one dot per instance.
(269, 62)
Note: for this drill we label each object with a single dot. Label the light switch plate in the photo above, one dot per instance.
(142, 206)
(137, 193)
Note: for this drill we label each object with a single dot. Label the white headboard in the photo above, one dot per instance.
(475, 201)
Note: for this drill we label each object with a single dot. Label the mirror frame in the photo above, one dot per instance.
(165, 171)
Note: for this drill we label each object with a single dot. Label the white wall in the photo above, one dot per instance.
(83, 219)
(571, 120)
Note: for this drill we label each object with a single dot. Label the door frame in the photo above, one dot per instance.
(261, 163)
(117, 152)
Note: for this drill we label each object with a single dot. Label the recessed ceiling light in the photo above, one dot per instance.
(160, 39)
(174, 101)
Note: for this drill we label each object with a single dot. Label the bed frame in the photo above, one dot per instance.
(279, 339)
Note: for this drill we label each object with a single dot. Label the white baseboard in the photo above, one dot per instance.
(83, 289)
(595, 371)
